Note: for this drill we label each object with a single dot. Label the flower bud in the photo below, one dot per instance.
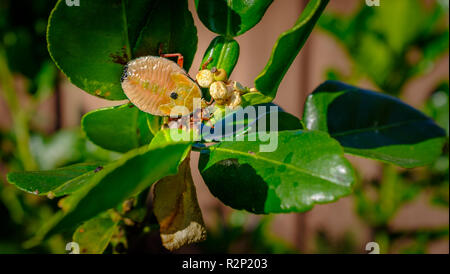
(235, 100)
(205, 78)
(239, 88)
(220, 75)
(220, 92)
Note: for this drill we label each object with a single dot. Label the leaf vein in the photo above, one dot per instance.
(301, 170)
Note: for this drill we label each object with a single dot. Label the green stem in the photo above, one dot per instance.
(383, 239)
(388, 193)
(19, 115)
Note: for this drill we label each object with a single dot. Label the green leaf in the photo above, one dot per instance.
(374, 125)
(155, 123)
(231, 17)
(239, 123)
(170, 25)
(306, 168)
(255, 98)
(120, 128)
(92, 42)
(58, 182)
(94, 235)
(223, 53)
(287, 47)
(164, 136)
(134, 172)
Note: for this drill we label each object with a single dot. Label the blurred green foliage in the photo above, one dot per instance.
(23, 26)
(390, 45)
(238, 233)
(22, 39)
(22, 214)
(23, 52)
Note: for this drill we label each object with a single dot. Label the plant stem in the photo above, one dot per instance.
(19, 115)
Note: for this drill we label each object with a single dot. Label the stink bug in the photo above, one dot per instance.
(156, 85)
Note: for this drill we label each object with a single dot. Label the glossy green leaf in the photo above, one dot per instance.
(154, 123)
(265, 117)
(231, 17)
(374, 125)
(162, 138)
(287, 47)
(92, 42)
(170, 27)
(58, 182)
(255, 98)
(222, 53)
(134, 172)
(120, 128)
(306, 168)
(173, 136)
(94, 235)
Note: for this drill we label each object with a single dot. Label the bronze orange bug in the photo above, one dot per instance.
(156, 85)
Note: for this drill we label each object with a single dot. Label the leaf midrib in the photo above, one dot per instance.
(305, 171)
(59, 189)
(228, 30)
(125, 25)
(375, 128)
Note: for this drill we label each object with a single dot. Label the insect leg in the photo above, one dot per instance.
(206, 63)
(208, 119)
(180, 60)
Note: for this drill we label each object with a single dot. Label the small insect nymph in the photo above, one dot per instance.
(156, 85)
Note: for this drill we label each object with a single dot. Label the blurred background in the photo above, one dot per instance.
(400, 48)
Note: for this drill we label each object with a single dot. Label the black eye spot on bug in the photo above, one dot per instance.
(124, 74)
(174, 95)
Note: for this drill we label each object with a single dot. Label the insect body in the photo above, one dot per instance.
(156, 85)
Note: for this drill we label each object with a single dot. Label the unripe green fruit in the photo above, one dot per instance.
(220, 75)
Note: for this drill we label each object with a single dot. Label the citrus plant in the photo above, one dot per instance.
(100, 201)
